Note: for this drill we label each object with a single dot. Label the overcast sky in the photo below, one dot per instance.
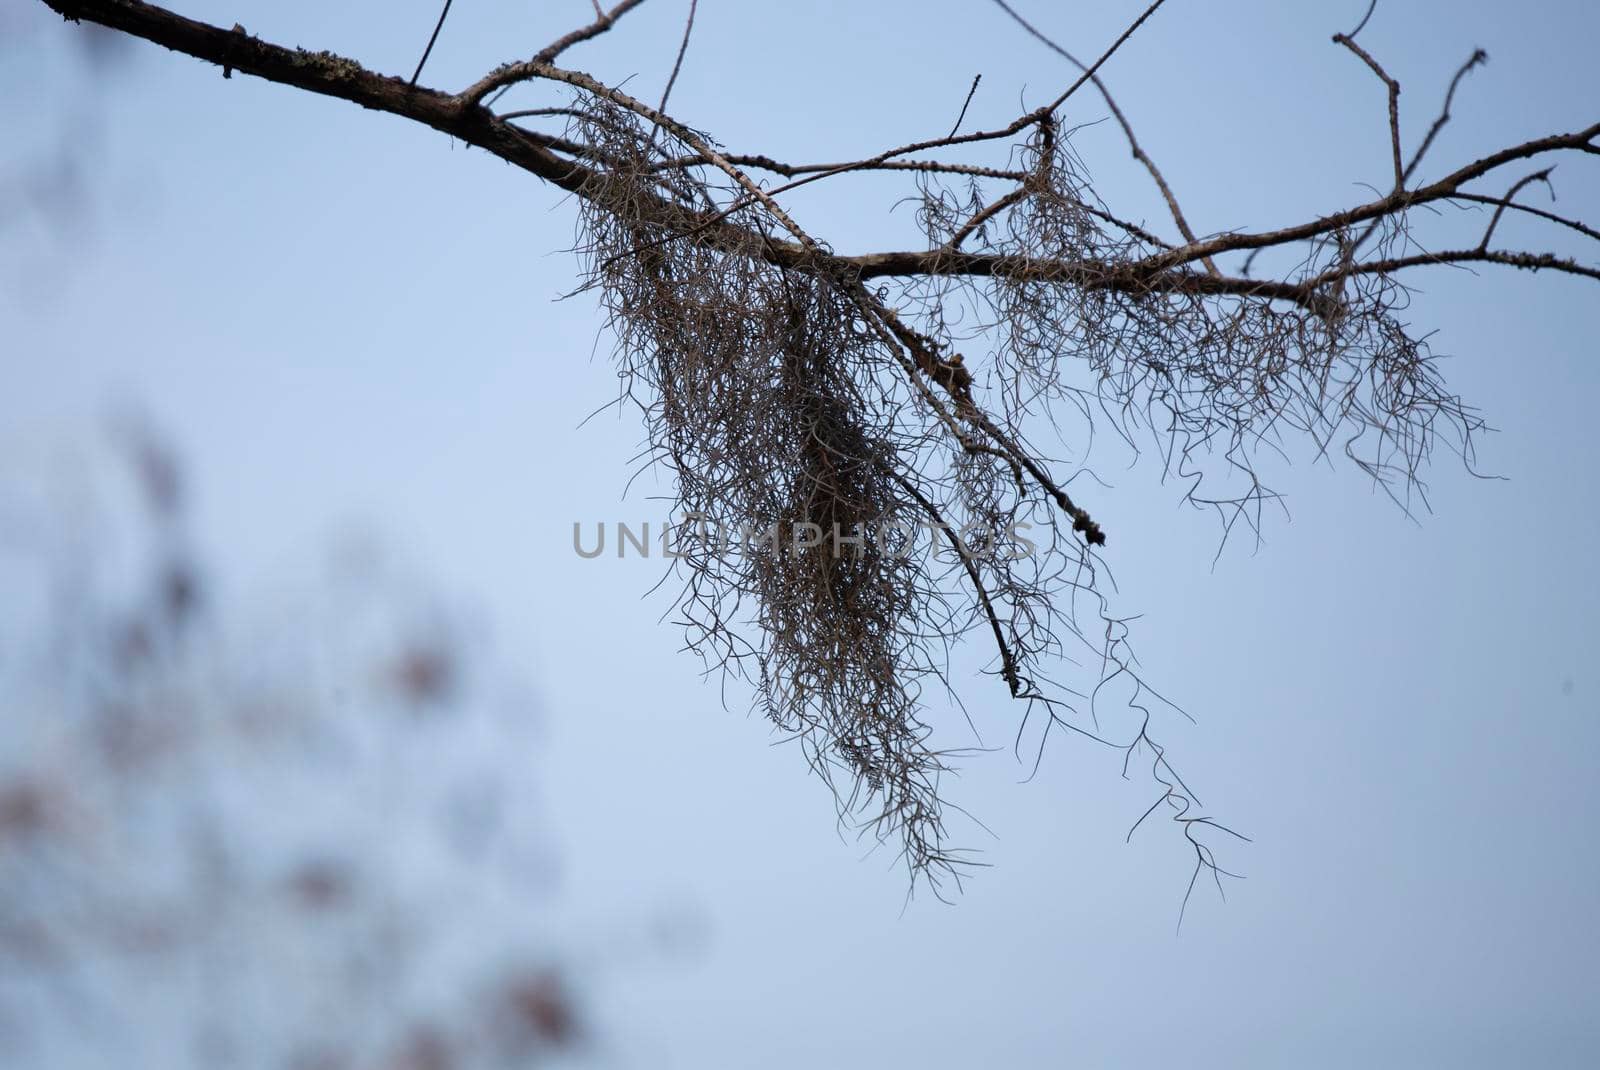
(349, 323)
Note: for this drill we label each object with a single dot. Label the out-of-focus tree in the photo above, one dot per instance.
(291, 842)
(52, 119)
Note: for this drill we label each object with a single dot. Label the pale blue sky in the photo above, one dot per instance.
(346, 321)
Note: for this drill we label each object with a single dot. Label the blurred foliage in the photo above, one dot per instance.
(55, 77)
(305, 839)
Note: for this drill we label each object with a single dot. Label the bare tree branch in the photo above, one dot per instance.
(777, 385)
(1394, 101)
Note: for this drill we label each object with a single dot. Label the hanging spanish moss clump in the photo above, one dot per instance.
(761, 390)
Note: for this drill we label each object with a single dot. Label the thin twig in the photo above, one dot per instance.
(1479, 56)
(1363, 23)
(965, 103)
(426, 52)
(677, 65)
(1394, 103)
(1511, 194)
(509, 74)
(1127, 129)
(1016, 126)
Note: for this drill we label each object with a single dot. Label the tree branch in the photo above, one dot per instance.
(461, 117)
(771, 373)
